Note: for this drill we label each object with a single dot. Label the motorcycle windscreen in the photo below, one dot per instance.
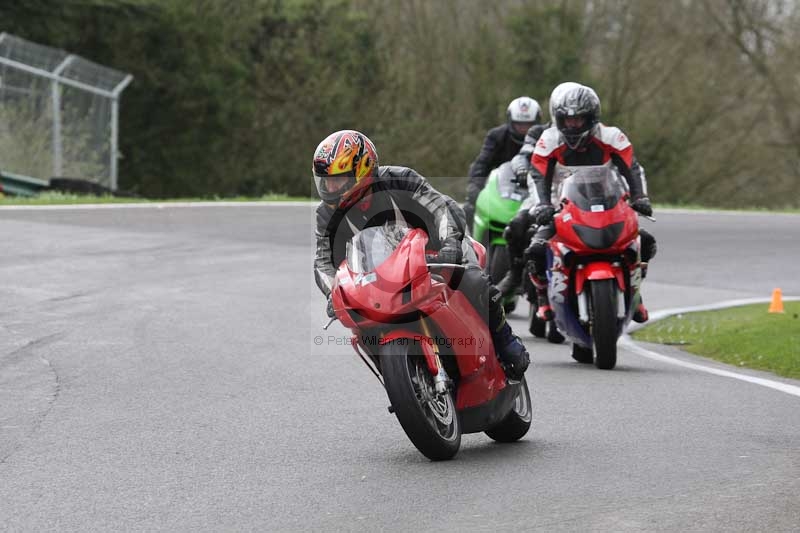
(369, 248)
(594, 188)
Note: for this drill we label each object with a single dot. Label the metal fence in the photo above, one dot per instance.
(59, 113)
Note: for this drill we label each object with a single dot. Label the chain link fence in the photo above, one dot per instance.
(59, 113)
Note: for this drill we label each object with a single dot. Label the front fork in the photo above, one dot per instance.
(440, 377)
(430, 350)
(600, 271)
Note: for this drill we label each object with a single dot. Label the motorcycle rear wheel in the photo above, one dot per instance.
(604, 323)
(429, 419)
(582, 355)
(517, 422)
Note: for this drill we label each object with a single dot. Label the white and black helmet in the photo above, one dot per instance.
(580, 101)
(522, 113)
(560, 88)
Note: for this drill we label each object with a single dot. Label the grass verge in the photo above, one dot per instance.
(746, 336)
(58, 198)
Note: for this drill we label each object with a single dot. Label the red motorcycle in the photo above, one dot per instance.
(425, 342)
(594, 262)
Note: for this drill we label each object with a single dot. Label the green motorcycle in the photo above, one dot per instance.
(497, 204)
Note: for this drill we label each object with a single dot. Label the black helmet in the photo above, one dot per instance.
(575, 102)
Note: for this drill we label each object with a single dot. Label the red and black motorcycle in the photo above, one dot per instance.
(425, 342)
(594, 262)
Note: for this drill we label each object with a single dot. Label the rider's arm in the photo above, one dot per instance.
(447, 215)
(641, 174)
(480, 167)
(474, 187)
(521, 163)
(633, 174)
(324, 271)
(542, 175)
(624, 159)
(543, 162)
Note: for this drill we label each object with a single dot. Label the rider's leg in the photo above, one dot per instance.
(487, 300)
(515, 234)
(648, 251)
(538, 255)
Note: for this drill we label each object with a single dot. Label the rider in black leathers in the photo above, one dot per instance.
(519, 230)
(500, 145)
(357, 193)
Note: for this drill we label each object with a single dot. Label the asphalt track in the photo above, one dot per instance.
(159, 371)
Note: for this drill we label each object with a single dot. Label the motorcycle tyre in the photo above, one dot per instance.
(518, 421)
(604, 323)
(397, 368)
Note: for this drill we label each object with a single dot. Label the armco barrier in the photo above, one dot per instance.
(19, 185)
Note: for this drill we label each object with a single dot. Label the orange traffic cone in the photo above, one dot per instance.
(776, 306)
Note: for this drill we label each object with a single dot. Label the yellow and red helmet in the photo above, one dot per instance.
(344, 165)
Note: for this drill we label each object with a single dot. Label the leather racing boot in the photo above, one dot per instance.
(544, 311)
(512, 353)
(641, 315)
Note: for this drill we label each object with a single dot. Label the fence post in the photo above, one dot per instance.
(115, 129)
(114, 143)
(56, 102)
(55, 90)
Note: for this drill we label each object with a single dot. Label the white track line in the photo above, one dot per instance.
(629, 343)
(626, 340)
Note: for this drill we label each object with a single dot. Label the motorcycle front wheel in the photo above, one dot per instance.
(429, 418)
(604, 323)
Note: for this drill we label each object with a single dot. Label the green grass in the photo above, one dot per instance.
(58, 198)
(746, 336)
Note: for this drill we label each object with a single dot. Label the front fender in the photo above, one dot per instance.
(596, 271)
(426, 342)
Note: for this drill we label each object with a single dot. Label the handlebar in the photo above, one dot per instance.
(432, 263)
(447, 265)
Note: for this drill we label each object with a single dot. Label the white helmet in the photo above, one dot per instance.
(523, 109)
(522, 113)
